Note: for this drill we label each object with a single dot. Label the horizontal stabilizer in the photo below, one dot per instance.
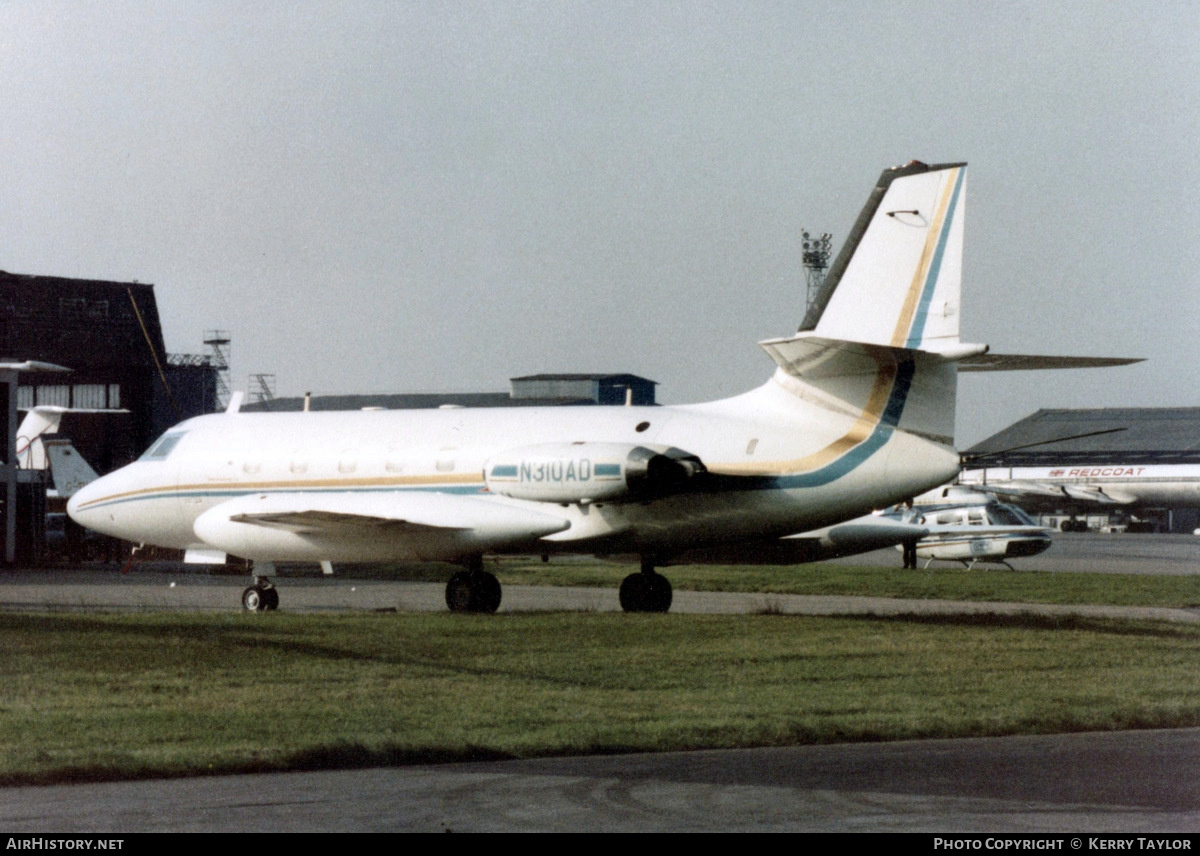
(1030, 362)
(811, 357)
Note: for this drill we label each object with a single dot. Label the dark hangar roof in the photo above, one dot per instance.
(1153, 434)
(610, 378)
(79, 323)
(410, 401)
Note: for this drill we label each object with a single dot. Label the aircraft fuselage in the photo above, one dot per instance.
(211, 460)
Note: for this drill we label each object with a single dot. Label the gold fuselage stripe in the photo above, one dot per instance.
(913, 297)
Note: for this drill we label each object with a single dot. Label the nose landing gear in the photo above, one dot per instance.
(260, 597)
(473, 590)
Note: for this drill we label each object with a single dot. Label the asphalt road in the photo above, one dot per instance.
(1136, 781)
(1114, 782)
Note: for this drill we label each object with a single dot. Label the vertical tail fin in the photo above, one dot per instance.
(897, 280)
(883, 334)
(38, 422)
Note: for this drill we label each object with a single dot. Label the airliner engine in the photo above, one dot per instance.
(590, 472)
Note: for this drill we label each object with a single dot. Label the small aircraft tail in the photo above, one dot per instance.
(38, 422)
(69, 470)
(882, 336)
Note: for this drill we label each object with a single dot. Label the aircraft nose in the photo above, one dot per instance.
(82, 507)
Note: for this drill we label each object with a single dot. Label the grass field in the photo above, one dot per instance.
(122, 696)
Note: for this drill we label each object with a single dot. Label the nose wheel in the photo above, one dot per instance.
(473, 591)
(260, 597)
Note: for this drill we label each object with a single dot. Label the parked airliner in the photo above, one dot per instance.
(1098, 485)
(858, 415)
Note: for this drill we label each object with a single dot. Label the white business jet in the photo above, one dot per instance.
(858, 415)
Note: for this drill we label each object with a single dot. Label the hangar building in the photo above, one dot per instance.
(1115, 435)
(109, 336)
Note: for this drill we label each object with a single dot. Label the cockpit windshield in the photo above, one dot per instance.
(1008, 515)
(162, 447)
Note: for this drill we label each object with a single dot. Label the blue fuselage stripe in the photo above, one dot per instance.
(935, 266)
(860, 453)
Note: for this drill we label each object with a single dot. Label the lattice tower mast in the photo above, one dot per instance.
(217, 342)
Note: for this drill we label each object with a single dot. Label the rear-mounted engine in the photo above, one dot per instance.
(590, 472)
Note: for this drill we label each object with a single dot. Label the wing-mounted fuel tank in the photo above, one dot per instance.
(591, 472)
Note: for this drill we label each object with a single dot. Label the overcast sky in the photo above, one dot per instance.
(402, 197)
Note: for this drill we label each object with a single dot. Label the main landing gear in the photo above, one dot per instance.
(261, 596)
(473, 590)
(646, 591)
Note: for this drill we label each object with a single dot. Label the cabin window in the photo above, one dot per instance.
(162, 447)
(751, 446)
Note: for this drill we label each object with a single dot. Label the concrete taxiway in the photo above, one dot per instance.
(168, 586)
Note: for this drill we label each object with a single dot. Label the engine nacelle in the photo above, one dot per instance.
(590, 472)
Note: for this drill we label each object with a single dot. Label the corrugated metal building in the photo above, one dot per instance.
(1151, 435)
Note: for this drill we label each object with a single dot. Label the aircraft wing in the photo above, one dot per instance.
(348, 526)
(1032, 491)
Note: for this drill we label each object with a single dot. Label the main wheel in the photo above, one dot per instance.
(270, 598)
(632, 593)
(458, 592)
(659, 594)
(645, 592)
(487, 592)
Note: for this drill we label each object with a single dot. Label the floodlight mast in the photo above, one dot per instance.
(816, 262)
